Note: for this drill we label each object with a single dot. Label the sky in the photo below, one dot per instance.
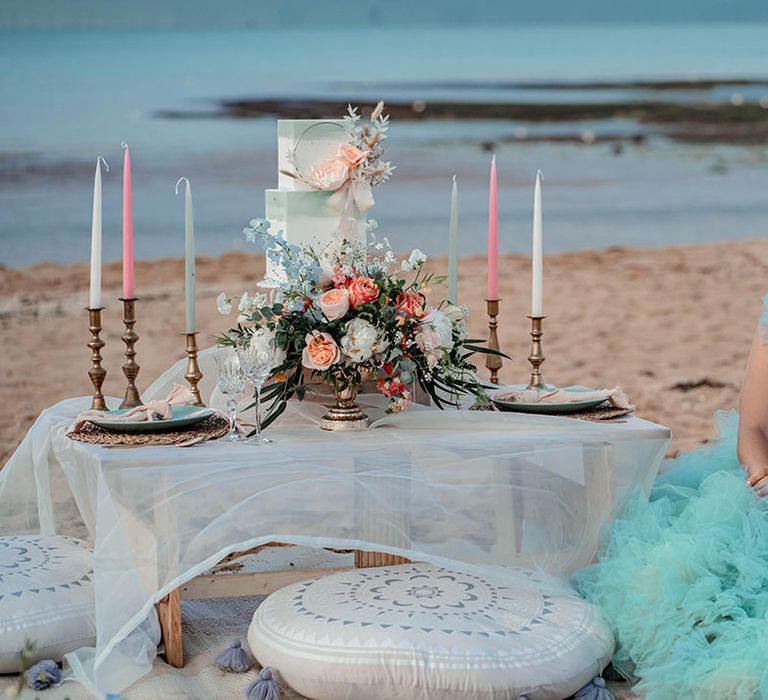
(242, 14)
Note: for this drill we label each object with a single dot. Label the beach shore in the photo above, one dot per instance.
(671, 326)
(686, 111)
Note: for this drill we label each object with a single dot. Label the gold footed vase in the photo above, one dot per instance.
(346, 414)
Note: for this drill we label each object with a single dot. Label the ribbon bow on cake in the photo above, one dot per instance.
(157, 409)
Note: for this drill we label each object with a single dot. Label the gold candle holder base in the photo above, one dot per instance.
(97, 373)
(493, 362)
(130, 368)
(193, 374)
(536, 358)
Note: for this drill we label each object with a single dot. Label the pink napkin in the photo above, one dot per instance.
(157, 409)
(616, 396)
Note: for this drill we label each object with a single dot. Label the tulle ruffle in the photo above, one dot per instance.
(683, 581)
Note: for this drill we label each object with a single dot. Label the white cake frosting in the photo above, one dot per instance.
(304, 214)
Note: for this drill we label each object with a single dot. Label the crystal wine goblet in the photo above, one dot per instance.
(231, 382)
(257, 358)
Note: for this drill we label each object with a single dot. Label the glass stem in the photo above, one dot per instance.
(232, 407)
(257, 401)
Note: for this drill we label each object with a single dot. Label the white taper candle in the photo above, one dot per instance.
(453, 245)
(94, 297)
(189, 258)
(537, 276)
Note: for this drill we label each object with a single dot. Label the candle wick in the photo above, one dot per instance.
(179, 181)
(123, 145)
(106, 165)
(540, 175)
(454, 179)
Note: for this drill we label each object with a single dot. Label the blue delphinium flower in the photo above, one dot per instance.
(299, 270)
(257, 231)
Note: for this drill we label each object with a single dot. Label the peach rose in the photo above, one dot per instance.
(329, 175)
(410, 304)
(351, 155)
(320, 352)
(334, 303)
(362, 290)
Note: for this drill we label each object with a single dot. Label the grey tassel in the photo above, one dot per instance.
(594, 690)
(611, 673)
(264, 687)
(233, 659)
(43, 675)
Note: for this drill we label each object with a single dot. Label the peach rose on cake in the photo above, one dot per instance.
(362, 290)
(351, 155)
(334, 303)
(329, 175)
(320, 352)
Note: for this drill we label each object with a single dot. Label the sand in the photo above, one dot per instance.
(671, 326)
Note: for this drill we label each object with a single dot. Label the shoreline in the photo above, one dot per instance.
(638, 318)
(706, 120)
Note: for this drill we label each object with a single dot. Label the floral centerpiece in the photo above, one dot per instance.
(347, 315)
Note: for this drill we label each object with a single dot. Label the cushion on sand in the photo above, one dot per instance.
(46, 596)
(417, 631)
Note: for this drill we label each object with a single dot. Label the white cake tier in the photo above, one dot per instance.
(315, 140)
(307, 219)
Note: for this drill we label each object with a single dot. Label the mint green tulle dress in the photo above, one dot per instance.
(683, 580)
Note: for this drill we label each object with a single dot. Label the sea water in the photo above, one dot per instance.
(66, 98)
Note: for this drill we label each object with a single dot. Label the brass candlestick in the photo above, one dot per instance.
(493, 362)
(130, 368)
(536, 358)
(97, 373)
(193, 375)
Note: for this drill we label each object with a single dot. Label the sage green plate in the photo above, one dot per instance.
(552, 409)
(183, 417)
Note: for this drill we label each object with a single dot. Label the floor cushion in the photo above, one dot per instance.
(46, 597)
(417, 631)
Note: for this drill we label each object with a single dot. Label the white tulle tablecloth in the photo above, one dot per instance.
(483, 492)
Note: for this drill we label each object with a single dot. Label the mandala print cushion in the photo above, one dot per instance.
(417, 631)
(46, 596)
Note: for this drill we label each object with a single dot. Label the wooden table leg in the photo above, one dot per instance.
(169, 613)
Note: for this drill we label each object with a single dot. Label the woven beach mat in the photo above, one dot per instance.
(208, 429)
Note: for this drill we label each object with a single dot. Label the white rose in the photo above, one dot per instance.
(454, 312)
(457, 314)
(361, 340)
(224, 304)
(441, 328)
(415, 260)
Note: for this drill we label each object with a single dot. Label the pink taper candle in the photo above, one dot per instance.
(128, 290)
(493, 236)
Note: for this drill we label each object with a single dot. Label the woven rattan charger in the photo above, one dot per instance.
(215, 426)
